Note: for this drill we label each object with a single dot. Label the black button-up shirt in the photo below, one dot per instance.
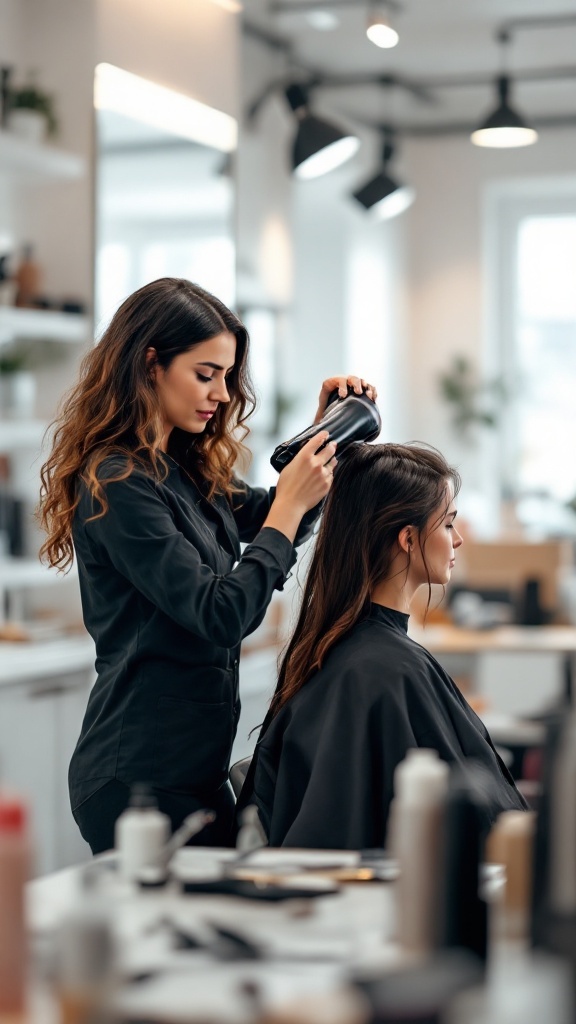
(168, 596)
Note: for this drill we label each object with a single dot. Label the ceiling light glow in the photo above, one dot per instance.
(383, 36)
(380, 30)
(234, 6)
(163, 108)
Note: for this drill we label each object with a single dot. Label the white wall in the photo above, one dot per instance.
(349, 309)
(264, 187)
(187, 45)
(447, 281)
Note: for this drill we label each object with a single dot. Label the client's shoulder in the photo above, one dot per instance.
(375, 660)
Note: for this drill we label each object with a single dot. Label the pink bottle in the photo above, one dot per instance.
(14, 873)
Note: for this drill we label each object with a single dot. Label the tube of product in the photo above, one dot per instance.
(15, 863)
(510, 842)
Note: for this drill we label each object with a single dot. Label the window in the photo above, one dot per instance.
(534, 277)
(545, 342)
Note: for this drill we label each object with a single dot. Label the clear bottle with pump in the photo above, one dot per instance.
(15, 867)
(141, 834)
(84, 956)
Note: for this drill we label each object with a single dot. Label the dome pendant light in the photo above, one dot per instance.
(504, 128)
(380, 30)
(382, 195)
(319, 146)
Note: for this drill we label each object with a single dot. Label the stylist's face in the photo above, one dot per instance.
(194, 385)
(441, 542)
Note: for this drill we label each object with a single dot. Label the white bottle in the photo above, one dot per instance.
(420, 786)
(141, 834)
(251, 835)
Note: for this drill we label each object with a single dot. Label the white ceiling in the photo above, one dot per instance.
(439, 39)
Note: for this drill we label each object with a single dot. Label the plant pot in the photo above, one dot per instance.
(28, 124)
(17, 395)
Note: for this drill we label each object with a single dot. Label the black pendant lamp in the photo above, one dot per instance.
(319, 146)
(504, 128)
(382, 195)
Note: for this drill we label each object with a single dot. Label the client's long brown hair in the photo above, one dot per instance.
(378, 489)
(114, 408)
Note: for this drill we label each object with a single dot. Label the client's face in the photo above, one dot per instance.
(440, 542)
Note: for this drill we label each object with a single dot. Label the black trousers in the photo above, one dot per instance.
(96, 816)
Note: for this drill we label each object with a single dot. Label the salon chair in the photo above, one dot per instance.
(238, 773)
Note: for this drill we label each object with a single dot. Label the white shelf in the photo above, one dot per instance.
(42, 325)
(31, 162)
(40, 659)
(16, 573)
(21, 434)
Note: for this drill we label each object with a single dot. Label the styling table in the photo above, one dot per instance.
(239, 949)
(200, 956)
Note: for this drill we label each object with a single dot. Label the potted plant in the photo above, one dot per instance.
(31, 112)
(472, 402)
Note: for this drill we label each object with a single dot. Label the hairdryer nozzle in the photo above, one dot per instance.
(354, 418)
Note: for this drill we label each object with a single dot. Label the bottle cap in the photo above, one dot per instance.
(12, 814)
(141, 796)
(422, 777)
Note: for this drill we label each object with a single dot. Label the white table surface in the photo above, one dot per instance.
(309, 945)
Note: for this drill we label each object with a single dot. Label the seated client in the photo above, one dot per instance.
(355, 692)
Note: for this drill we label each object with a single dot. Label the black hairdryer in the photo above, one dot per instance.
(353, 418)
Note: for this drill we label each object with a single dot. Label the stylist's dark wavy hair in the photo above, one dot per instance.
(114, 408)
(378, 489)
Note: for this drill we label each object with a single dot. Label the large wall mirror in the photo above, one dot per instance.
(164, 194)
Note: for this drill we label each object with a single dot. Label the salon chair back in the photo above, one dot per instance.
(238, 773)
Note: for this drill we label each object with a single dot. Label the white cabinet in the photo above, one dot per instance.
(39, 724)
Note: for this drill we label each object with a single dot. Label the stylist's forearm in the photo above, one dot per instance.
(302, 484)
(285, 517)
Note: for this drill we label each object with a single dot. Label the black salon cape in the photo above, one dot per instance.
(323, 769)
(168, 597)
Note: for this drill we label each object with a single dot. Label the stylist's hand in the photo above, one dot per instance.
(308, 478)
(302, 484)
(342, 383)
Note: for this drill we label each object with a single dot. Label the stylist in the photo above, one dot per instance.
(140, 485)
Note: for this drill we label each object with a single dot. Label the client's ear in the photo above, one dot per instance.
(406, 538)
(151, 362)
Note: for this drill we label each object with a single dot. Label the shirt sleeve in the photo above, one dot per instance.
(140, 538)
(251, 505)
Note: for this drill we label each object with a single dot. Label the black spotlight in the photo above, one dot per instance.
(319, 145)
(382, 195)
